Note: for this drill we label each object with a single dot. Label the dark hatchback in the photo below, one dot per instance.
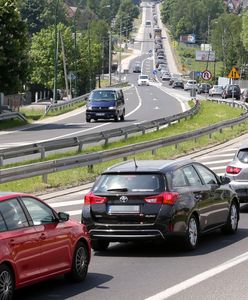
(106, 103)
(231, 91)
(157, 199)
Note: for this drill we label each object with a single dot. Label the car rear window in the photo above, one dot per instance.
(130, 182)
(243, 156)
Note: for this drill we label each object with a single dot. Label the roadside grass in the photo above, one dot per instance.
(34, 114)
(209, 114)
(8, 124)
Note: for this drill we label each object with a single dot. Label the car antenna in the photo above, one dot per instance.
(136, 166)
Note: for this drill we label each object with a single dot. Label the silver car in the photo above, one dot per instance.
(237, 171)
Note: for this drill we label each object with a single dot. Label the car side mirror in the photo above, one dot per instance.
(63, 216)
(225, 180)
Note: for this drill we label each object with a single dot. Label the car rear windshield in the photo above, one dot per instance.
(243, 156)
(102, 95)
(130, 183)
(143, 77)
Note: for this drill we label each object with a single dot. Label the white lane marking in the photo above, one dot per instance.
(216, 155)
(74, 212)
(67, 203)
(223, 161)
(199, 278)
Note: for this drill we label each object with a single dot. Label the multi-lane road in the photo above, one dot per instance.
(216, 270)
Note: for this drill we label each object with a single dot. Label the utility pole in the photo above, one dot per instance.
(120, 51)
(90, 57)
(55, 52)
(64, 64)
(110, 57)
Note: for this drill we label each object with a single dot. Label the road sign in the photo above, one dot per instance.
(234, 74)
(206, 75)
(154, 72)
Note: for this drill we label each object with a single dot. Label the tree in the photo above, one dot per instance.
(42, 56)
(13, 49)
(244, 33)
(41, 14)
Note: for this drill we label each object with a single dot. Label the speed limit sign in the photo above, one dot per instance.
(206, 75)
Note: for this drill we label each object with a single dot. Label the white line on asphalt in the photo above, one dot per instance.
(67, 203)
(217, 161)
(199, 278)
(216, 155)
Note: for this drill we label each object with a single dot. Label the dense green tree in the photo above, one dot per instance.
(226, 41)
(244, 33)
(194, 16)
(126, 14)
(41, 14)
(13, 49)
(42, 56)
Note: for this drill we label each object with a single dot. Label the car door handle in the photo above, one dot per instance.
(43, 236)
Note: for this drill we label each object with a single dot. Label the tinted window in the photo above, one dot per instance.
(179, 179)
(39, 212)
(3, 226)
(243, 156)
(207, 176)
(13, 215)
(131, 182)
(102, 95)
(192, 176)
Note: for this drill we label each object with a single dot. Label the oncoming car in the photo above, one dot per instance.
(106, 103)
(143, 80)
(38, 243)
(158, 199)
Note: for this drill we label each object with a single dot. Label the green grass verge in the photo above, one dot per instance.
(209, 114)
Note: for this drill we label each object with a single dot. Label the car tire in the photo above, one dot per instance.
(7, 284)
(192, 233)
(122, 117)
(80, 263)
(231, 225)
(99, 245)
(88, 120)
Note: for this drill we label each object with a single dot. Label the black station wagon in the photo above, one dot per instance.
(157, 199)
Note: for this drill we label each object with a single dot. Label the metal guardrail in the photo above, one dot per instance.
(12, 115)
(44, 168)
(65, 103)
(103, 136)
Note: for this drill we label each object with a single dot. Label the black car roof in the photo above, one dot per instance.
(147, 165)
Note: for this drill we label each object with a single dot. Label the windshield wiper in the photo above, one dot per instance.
(118, 190)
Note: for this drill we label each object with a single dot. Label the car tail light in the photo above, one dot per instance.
(91, 198)
(232, 170)
(163, 198)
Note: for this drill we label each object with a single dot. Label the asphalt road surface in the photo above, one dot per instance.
(155, 271)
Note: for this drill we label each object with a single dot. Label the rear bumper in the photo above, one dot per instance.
(241, 188)
(126, 235)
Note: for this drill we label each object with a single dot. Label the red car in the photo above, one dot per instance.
(37, 243)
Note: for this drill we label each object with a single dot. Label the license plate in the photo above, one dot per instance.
(123, 209)
(100, 114)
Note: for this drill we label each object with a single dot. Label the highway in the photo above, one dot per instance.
(216, 270)
(139, 271)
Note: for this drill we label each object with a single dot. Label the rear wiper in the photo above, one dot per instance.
(118, 190)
